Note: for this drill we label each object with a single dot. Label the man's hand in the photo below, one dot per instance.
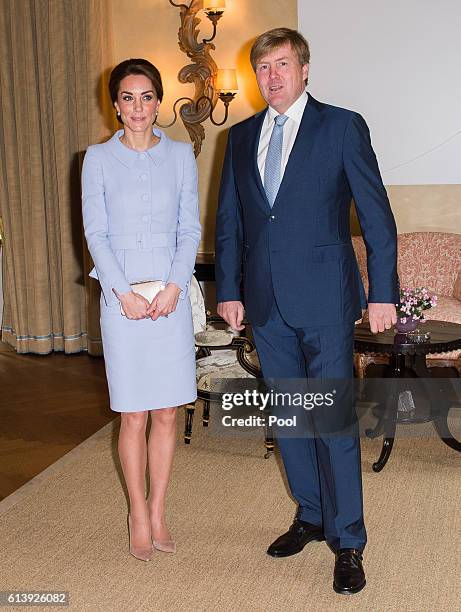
(382, 316)
(233, 313)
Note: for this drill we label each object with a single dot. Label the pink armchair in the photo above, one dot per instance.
(425, 259)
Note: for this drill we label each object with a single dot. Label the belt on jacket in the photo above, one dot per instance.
(142, 241)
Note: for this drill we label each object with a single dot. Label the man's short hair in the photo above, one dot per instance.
(273, 39)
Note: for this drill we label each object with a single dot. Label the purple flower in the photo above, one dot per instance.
(414, 301)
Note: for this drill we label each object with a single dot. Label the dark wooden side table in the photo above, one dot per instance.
(407, 358)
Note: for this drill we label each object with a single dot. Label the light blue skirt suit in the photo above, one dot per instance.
(141, 220)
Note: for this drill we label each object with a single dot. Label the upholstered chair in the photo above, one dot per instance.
(220, 355)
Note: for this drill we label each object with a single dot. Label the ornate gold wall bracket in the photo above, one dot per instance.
(202, 72)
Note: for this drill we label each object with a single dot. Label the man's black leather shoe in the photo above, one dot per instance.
(295, 539)
(349, 576)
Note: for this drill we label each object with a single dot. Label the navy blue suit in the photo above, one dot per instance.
(302, 287)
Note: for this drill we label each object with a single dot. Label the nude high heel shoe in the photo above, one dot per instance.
(167, 546)
(143, 554)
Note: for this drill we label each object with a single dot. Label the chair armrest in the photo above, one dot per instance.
(245, 351)
(214, 318)
(247, 356)
(214, 338)
(217, 319)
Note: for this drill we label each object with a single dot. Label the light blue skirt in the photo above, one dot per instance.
(149, 364)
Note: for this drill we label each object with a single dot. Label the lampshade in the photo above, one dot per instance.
(214, 6)
(226, 81)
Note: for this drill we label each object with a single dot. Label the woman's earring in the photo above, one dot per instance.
(119, 116)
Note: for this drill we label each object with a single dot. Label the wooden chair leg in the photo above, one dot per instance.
(190, 410)
(206, 413)
(359, 366)
(268, 441)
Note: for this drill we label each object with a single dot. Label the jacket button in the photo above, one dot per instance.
(145, 197)
(272, 217)
(146, 218)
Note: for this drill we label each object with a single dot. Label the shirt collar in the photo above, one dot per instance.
(128, 156)
(295, 111)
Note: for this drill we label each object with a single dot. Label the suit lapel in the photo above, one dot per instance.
(302, 147)
(254, 150)
(247, 158)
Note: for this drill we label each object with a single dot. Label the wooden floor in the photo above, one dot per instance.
(48, 405)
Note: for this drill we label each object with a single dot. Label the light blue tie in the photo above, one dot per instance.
(272, 169)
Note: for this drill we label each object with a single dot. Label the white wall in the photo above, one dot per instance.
(398, 63)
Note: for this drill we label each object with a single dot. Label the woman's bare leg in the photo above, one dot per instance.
(161, 445)
(132, 449)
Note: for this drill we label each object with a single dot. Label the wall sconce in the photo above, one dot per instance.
(210, 83)
(214, 10)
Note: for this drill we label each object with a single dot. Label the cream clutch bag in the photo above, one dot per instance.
(148, 289)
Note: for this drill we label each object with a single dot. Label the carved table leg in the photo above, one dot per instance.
(441, 427)
(388, 443)
(440, 412)
(388, 420)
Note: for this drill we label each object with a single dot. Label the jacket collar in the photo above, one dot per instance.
(128, 156)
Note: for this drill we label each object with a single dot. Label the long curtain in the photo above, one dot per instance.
(53, 60)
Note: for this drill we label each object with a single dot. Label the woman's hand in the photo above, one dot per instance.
(165, 302)
(134, 305)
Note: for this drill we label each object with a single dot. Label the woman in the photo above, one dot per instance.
(141, 219)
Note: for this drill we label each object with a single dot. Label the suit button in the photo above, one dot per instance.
(146, 218)
(272, 217)
(144, 197)
(142, 156)
(143, 177)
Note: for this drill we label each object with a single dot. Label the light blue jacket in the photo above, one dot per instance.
(140, 213)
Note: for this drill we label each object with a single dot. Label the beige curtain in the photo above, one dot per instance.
(52, 105)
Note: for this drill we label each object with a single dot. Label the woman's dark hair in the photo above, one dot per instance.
(135, 66)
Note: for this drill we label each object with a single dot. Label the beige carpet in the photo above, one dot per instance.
(66, 530)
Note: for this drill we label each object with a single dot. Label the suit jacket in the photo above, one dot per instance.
(140, 213)
(300, 251)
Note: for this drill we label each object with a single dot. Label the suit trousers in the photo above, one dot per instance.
(323, 469)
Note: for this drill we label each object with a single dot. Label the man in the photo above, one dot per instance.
(289, 175)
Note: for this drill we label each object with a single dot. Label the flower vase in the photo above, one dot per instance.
(409, 325)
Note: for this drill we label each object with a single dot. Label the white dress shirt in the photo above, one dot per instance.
(290, 131)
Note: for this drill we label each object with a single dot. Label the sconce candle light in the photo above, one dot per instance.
(227, 88)
(210, 83)
(214, 7)
(226, 81)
